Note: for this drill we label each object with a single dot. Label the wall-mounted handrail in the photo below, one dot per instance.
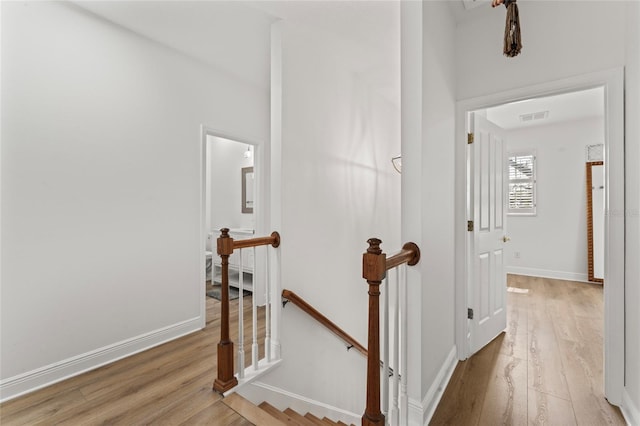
(375, 265)
(225, 247)
(315, 314)
(410, 254)
(272, 240)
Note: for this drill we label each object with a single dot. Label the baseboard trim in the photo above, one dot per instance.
(545, 273)
(435, 392)
(30, 381)
(630, 411)
(420, 412)
(257, 392)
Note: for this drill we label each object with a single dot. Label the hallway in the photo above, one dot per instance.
(545, 370)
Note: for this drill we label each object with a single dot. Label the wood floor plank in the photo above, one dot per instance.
(505, 402)
(583, 366)
(515, 341)
(462, 401)
(547, 410)
(545, 367)
(189, 405)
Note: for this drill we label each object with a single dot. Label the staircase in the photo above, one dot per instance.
(266, 414)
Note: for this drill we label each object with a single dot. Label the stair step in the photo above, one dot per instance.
(277, 413)
(328, 421)
(299, 419)
(314, 419)
(250, 411)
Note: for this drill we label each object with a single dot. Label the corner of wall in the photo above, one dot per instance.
(421, 412)
(630, 411)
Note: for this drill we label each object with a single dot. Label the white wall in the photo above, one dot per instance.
(436, 193)
(554, 48)
(553, 243)
(632, 254)
(101, 188)
(338, 189)
(428, 132)
(560, 39)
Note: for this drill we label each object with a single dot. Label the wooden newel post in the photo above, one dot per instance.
(374, 271)
(226, 379)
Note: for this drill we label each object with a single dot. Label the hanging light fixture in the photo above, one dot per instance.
(397, 163)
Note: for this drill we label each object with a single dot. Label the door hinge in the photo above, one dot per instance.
(469, 138)
(470, 225)
(469, 313)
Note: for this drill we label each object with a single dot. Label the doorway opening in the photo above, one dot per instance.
(230, 199)
(607, 86)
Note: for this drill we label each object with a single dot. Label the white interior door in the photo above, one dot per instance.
(487, 286)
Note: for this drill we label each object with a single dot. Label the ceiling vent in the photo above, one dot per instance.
(525, 118)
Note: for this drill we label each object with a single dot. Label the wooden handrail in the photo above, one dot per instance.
(273, 240)
(226, 245)
(374, 269)
(410, 254)
(315, 314)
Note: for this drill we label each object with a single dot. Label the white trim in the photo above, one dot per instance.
(416, 414)
(257, 392)
(435, 392)
(250, 375)
(420, 413)
(629, 410)
(547, 273)
(613, 82)
(30, 381)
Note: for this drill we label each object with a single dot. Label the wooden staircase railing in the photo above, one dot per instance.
(315, 314)
(375, 265)
(225, 246)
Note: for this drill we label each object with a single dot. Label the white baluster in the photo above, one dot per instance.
(384, 377)
(254, 299)
(240, 318)
(404, 401)
(395, 345)
(267, 309)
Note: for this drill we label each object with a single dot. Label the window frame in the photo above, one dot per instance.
(525, 211)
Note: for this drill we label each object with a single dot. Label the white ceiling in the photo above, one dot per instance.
(233, 36)
(565, 107)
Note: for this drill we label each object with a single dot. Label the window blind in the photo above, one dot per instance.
(522, 184)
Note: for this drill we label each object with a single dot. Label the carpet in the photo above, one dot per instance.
(216, 293)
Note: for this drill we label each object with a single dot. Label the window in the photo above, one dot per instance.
(522, 184)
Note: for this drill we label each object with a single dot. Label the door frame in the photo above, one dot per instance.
(613, 82)
(258, 216)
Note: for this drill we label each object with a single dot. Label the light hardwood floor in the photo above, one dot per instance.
(167, 385)
(546, 369)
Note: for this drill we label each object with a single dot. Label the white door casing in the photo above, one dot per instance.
(613, 82)
(487, 199)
